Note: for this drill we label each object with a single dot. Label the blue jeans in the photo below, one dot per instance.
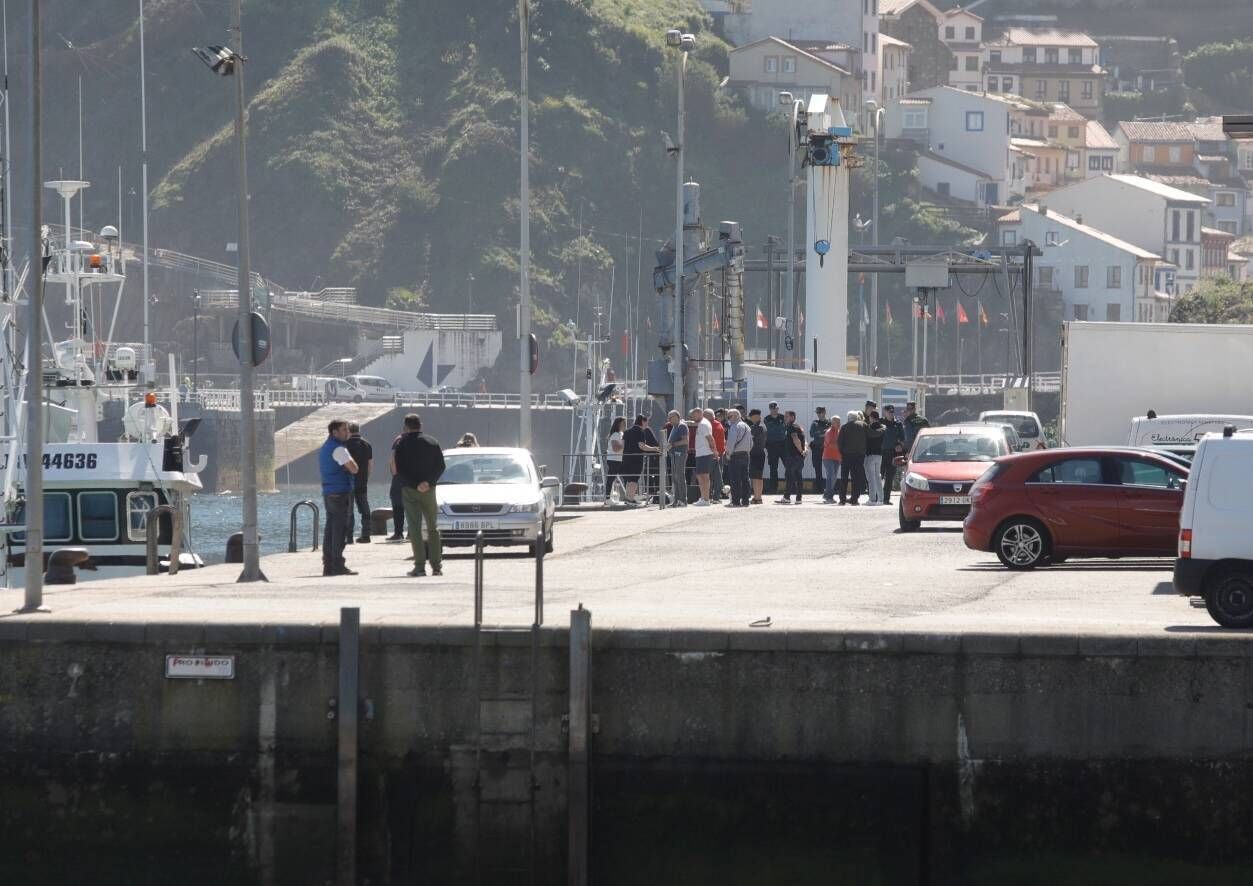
(830, 473)
(678, 475)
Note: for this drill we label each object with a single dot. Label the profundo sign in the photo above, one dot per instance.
(200, 667)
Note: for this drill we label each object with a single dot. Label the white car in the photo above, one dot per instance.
(1215, 558)
(376, 388)
(496, 490)
(1027, 424)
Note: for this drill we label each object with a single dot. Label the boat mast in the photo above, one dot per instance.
(148, 369)
(34, 486)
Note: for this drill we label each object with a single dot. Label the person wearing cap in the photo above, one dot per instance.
(776, 434)
(893, 446)
(817, 434)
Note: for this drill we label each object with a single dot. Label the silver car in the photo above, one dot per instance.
(496, 490)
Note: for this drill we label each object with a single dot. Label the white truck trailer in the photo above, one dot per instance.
(1114, 372)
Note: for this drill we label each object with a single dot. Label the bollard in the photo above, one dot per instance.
(62, 563)
(152, 535)
(235, 548)
(478, 578)
(378, 520)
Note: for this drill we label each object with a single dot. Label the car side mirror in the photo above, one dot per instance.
(899, 461)
(549, 483)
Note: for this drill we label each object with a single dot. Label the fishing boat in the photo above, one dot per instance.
(115, 457)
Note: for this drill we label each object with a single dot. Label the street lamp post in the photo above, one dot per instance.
(876, 113)
(230, 63)
(195, 341)
(34, 335)
(524, 246)
(684, 43)
(469, 294)
(789, 297)
(861, 225)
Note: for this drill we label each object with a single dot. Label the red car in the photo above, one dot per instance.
(1043, 507)
(942, 466)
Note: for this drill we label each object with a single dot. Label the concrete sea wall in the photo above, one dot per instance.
(743, 757)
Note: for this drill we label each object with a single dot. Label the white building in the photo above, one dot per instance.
(1100, 150)
(1099, 276)
(962, 33)
(764, 68)
(1155, 217)
(893, 68)
(965, 140)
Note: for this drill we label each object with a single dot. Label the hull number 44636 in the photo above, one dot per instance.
(59, 461)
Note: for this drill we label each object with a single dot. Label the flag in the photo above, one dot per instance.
(939, 313)
(918, 315)
(717, 324)
(983, 317)
(887, 309)
(865, 315)
(626, 344)
(802, 319)
(961, 314)
(761, 319)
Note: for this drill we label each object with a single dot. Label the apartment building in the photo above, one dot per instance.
(918, 23)
(764, 68)
(962, 32)
(1046, 65)
(1099, 276)
(1160, 219)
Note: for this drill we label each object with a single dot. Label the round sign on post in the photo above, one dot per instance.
(260, 339)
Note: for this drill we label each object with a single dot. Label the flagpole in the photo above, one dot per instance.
(979, 342)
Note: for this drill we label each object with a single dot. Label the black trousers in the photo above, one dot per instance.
(398, 506)
(361, 501)
(815, 458)
(889, 474)
(794, 466)
(741, 489)
(338, 507)
(774, 455)
(853, 468)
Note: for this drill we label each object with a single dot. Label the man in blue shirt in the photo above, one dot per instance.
(338, 471)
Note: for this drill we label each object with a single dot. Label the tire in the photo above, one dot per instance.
(1022, 543)
(1229, 596)
(906, 525)
(548, 542)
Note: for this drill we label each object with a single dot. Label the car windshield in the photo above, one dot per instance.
(484, 468)
(1025, 425)
(959, 447)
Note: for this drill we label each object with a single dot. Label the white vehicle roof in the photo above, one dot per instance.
(488, 450)
(1176, 431)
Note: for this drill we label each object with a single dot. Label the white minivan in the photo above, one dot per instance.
(1179, 433)
(376, 388)
(1216, 528)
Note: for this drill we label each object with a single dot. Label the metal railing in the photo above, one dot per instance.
(292, 547)
(590, 470)
(1044, 382)
(152, 533)
(476, 400)
(266, 399)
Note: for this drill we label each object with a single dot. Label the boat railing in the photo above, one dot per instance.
(152, 533)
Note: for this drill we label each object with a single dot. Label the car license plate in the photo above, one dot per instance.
(954, 499)
(474, 525)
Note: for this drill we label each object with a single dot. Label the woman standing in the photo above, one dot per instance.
(613, 455)
(830, 460)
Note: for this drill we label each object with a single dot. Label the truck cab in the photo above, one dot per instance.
(1215, 556)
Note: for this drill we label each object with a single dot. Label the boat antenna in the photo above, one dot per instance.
(7, 243)
(143, 152)
(34, 332)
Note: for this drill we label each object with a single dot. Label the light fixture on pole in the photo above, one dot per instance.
(684, 43)
(796, 118)
(876, 114)
(228, 62)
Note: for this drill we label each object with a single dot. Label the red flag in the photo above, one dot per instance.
(626, 344)
(802, 319)
(939, 313)
(961, 314)
(918, 314)
(983, 317)
(888, 310)
(717, 324)
(761, 320)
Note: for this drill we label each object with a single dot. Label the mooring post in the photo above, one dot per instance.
(580, 729)
(349, 674)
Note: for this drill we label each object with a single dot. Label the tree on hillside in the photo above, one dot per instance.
(1216, 300)
(1223, 71)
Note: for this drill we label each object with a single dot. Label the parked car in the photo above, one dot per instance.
(375, 387)
(1215, 553)
(940, 469)
(1027, 424)
(1043, 507)
(498, 491)
(1011, 433)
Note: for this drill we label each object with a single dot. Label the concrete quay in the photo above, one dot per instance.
(913, 714)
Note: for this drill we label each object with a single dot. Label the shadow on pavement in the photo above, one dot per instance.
(1207, 629)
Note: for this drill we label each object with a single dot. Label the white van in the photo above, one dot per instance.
(1027, 424)
(1180, 433)
(1216, 528)
(376, 387)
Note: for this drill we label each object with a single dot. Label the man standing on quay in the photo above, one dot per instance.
(363, 454)
(419, 460)
(338, 470)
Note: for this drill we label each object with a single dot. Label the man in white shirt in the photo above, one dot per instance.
(739, 446)
(706, 452)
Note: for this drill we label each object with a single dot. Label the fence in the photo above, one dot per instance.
(477, 400)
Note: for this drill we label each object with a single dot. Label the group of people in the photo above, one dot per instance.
(417, 462)
(850, 459)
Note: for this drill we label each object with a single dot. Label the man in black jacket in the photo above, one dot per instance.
(852, 442)
(893, 445)
(419, 460)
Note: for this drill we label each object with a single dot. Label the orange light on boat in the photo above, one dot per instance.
(150, 400)
(96, 261)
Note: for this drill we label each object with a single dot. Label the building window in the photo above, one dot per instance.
(1051, 56)
(1072, 159)
(994, 56)
(1174, 257)
(1246, 159)
(1188, 261)
(1191, 226)
(1225, 198)
(97, 516)
(873, 74)
(1007, 84)
(1148, 153)
(974, 121)
(1009, 238)
(953, 63)
(993, 82)
(1046, 276)
(1052, 131)
(1072, 132)
(950, 33)
(1113, 313)
(1086, 89)
(1041, 89)
(789, 64)
(1074, 56)
(1113, 277)
(1175, 226)
(772, 64)
(1176, 154)
(874, 43)
(1050, 238)
(1063, 90)
(1094, 163)
(972, 63)
(1081, 276)
(1081, 312)
(915, 119)
(1028, 54)
(1107, 164)
(970, 33)
(1228, 226)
